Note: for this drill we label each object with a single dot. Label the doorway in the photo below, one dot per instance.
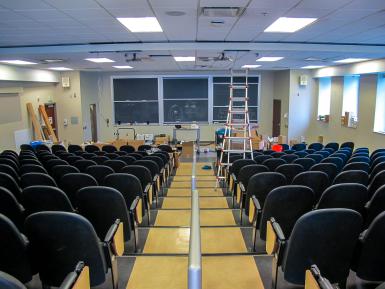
(50, 109)
(94, 125)
(276, 117)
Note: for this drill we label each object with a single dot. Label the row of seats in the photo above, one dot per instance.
(46, 202)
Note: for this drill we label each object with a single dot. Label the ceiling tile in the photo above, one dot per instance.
(24, 5)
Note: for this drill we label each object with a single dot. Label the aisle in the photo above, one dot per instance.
(169, 236)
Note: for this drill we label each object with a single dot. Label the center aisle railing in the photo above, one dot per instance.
(194, 262)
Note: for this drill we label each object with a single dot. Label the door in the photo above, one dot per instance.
(276, 117)
(50, 109)
(94, 125)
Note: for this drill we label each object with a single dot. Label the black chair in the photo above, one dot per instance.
(234, 172)
(286, 204)
(100, 159)
(6, 169)
(272, 164)
(356, 159)
(80, 153)
(316, 157)
(102, 206)
(260, 186)
(347, 145)
(356, 166)
(352, 176)
(9, 183)
(73, 159)
(144, 148)
(57, 147)
(82, 165)
(289, 171)
(116, 165)
(328, 168)
(9, 282)
(91, 148)
(348, 196)
(36, 179)
(131, 189)
(324, 154)
(378, 168)
(61, 239)
(155, 172)
(305, 162)
(316, 146)
(332, 145)
(165, 148)
(377, 161)
(289, 151)
(289, 158)
(45, 198)
(299, 147)
(362, 149)
(301, 154)
(145, 178)
(375, 206)
(112, 156)
(64, 156)
(376, 155)
(14, 251)
(135, 155)
(74, 148)
(25, 169)
(310, 151)
(377, 181)
(100, 153)
(26, 147)
(260, 159)
(54, 162)
(99, 172)
(268, 152)
(42, 147)
(109, 148)
(316, 180)
(370, 261)
(10, 163)
(360, 154)
(121, 153)
(88, 156)
(278, 154)
(310, 243)
(59, 171)
(127, 148)
(28, 161)
(127, 159)
(335, 160)
(10, 207)
(285, 146)
(72, 182)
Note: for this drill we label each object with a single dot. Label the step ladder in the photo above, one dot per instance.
(237, 137)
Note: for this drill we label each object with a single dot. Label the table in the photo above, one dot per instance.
(197, 131)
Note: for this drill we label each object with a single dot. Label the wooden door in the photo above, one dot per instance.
(94, 125)
(276, 117)
(50, 109)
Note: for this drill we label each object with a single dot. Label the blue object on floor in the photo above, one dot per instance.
(206, 167)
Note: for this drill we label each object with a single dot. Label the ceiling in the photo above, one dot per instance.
(69, 26)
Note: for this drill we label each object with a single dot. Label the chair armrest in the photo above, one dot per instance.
(114, 238)
(242, 187)
(314, 279)
(255, 211)
(274, 237)
(79, 278)
(147, 188)
(234, 177)
(136, 210)
(155, 178)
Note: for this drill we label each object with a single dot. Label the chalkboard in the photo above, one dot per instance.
(177, 88)
(185, 110)
(136, 112)
(135, 89)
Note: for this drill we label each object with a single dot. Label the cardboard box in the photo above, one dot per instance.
(188, 148)
(282, 139)
(162, 140)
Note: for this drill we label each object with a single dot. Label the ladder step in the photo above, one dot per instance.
(238, 111)
(237, 137)
(226, 164)
(238, 151)
(239, 98)
(236, 124)
(239, 86)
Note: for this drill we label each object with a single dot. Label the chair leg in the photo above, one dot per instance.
(114, 273)
(274, 272)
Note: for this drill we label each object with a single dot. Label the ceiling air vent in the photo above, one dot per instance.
(222, 11)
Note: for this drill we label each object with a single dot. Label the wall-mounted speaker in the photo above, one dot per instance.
(303, 80)
(65, 82)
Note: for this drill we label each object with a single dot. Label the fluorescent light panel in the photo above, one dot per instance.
(351, 60)
(17, 62)
(123, 66)
(251, 66)
(61, 68)
(141, 24)
(184, 58)
(289, 25)
(269, 59)
(312, 66)
(99, 60)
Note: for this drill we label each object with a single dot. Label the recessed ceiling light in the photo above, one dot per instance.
(268, 59)
(289, 25)
(312, 66)
(61, 68)
(52, 60)
(175, 13)
(251, 66)
(184, 58)
(351, 60)
(313, 59)
(141, 24)
(123, 66)
(99, 60)
(17, 62)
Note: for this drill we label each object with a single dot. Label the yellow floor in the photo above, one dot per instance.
(230, 272)
(218, 272)
(185, 203)
(182, 218)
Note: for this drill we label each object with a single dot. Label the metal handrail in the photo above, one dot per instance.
(194, 262)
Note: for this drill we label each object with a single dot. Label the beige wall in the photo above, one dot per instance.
(363, 135)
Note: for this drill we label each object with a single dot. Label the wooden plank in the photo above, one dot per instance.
(48, 125)
(35, 123)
